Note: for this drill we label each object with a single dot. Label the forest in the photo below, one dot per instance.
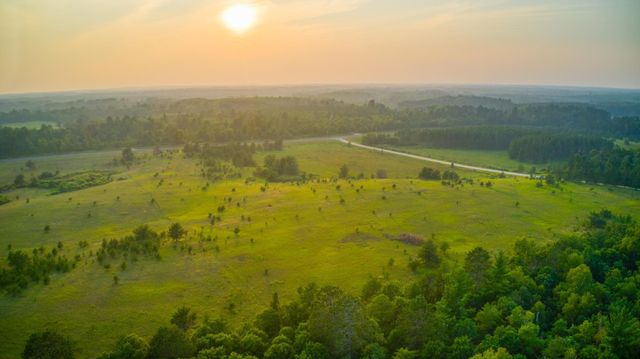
(574, 297)
(176, 122)
(615, 166)
(552, 147)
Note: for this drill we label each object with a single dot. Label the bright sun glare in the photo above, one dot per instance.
(239, 18)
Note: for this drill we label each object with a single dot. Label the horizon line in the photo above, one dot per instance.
(136, 88)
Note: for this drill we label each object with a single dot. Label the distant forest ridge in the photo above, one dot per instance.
(112, 123)
(619, 102)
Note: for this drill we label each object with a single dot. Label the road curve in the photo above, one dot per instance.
(428, 159)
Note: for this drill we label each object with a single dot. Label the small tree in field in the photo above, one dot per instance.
(429, 254)
(344, 171)
(381, 173)
(176, 231)
(184, 318)
(127, 156)
(429, 173)
(19, 181)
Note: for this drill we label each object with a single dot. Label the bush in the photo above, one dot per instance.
(428, 173)
(170, 342)
(48, 345)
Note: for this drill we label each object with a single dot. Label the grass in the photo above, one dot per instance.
(494, 159)
(30, 124)
(483, 158)
(76, 162)
(627, 145)
(301, 233)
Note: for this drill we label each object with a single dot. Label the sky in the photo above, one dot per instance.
(55, 45)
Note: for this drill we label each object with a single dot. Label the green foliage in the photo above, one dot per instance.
(425, 321)
(127, 156)
(339, 322)
(48, 345)
(499, 353)
(617, 166)
(239, 154)
(183, 121)
(24, 268)
(184, 318)
(429, 254)
(170, 343)
(470, 137)
(622, 331)
(129, 347)
(19, 181)
(428, 173)
(279, 169)
(143, 241)
(476, 263)
(544, 148)
(74, 181)
(450, 176)
(344, 171)
(176, 231)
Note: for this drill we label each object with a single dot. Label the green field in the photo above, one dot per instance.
(494, 159)
(628, 145)
(497, 159)
(301, 233)
(30, 124)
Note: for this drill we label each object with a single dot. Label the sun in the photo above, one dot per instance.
(240, 17)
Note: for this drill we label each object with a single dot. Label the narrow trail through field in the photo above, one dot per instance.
(428, 159)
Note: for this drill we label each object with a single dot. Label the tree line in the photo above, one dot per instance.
(573, 297)
(544, 148)
(467, 137)
(613, 166)
(527, 144)
(176, 122)
(198, 121)
(576, 118)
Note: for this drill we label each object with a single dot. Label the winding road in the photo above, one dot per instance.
(428, 159)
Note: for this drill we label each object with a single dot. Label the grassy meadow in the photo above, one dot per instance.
(327, 230)
(494, 159)
(30, 124)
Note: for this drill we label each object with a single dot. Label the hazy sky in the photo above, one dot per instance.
(48, 45)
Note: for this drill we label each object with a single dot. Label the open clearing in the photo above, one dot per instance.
(301, 233)
(30, 124)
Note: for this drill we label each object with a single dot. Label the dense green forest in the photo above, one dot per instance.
(201, 121)
(543, 148)
(615, 166)
(574, 297)
(574, 117)
(469, 137)
(113, 123)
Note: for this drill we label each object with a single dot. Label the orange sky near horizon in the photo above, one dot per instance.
(49, 45)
